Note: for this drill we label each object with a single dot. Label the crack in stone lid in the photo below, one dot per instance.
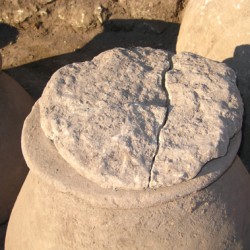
(111, 120)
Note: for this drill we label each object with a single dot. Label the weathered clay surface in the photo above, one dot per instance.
(109, 118)
(15, 104)
(205, 112)
(214, 218)
(104, 116)
(219, 30)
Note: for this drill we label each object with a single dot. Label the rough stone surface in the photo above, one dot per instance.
(15, 104)
(104, 116)
(205, 112)
(44, 160)
(111, 119)
(219, 30)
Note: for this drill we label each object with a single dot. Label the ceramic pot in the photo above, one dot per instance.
(15, 104)
(59, 209)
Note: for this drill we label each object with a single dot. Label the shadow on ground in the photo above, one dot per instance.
(116, 33)
(8, 34)
(240, 62)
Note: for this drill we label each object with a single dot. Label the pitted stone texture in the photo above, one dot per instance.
(219, 30)
(108, 118)
(206, 111)
(104, 115)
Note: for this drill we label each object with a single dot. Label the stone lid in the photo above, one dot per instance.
(44, 160)
(127, 120)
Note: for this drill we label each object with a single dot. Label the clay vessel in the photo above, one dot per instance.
(135, 149)
(59, 209)
(15, 104)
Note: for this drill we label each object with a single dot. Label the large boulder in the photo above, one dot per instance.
(219, 30)
(15, 104)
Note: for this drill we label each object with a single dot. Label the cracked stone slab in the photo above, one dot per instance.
(111, 120)
(104, 115)
(205, 112)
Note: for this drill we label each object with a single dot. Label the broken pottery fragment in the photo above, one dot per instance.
(108, 140)
(120, 122)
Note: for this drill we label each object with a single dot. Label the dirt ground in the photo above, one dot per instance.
(36, 55)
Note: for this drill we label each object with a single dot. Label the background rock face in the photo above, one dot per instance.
(219, 30)
(110, 118)
(86, 13)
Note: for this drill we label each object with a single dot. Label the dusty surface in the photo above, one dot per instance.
(15, 105)
(214, 218)
(219, 30)
(205, 113)
(39, 44)
(104, 115)
(111, 120)
(49, 165)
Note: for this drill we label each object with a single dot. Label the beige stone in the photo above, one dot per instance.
(111, 119)
(219, 30)
(205, 112)
(104, 115)
(15, 104)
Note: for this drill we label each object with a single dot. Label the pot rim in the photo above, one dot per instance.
(44, 160)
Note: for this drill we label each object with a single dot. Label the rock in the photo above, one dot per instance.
(219, 30)
(154, 10)
(205, 113)
(104, 116)
(77, 13)
(15, 12)
(212, 22)
(15, 104)
(111, 119)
